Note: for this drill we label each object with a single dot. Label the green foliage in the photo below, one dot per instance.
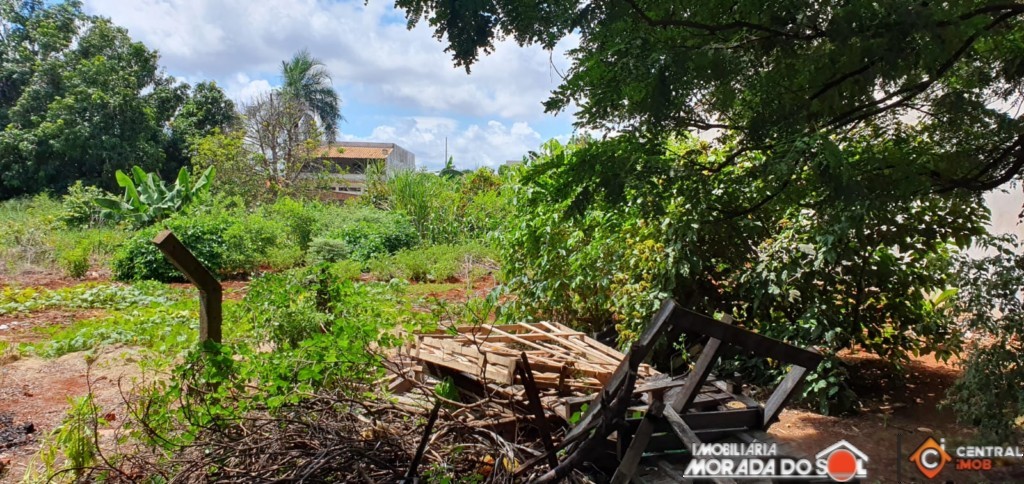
(823, 266)
(226, 153)
(75, 262)
(445, 210)
(301, 218)
(767, 78)
(148, 199)
(75, 439)
(165, 329)
(447, 390)
(346, 270)
(139, 259)
(990, 394)
(79, 208)
(327, 250)
(369, 232)
(307, 80)
(33, 238)
(84, 296)
(81, 99)
(439, 263)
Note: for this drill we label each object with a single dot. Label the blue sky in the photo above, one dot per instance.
(396, 85)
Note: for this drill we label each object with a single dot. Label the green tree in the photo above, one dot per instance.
(78, 99)
(204, 111)
(307, 80)
(822, 265)
(770, 78)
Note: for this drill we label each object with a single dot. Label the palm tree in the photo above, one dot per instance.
(306, 79)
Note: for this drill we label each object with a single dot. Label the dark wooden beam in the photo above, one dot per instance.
(683, 431)
(692, 322)
(541, 420)
(210, 291)
(785, 392)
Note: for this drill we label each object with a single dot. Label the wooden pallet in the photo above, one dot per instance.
(561, 358)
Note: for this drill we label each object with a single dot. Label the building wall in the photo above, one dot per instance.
(400, 159)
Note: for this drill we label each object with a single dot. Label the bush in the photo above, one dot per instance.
(370, 233)
(990, 394)
(78, 206)
(327, 250)
(139, 259)
(302, 219)
(252, 240)
(439, 263)
(75, 262)
(346, 270)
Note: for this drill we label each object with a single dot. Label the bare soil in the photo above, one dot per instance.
(894, 408)
(38, 391)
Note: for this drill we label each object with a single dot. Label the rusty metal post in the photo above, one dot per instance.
(210, 290)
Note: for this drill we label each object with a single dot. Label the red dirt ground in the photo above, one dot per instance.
(906, 407)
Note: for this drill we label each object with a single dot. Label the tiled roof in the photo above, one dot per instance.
(340, 151)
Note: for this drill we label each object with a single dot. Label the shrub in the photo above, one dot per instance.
(75, 262)
(252, 240)
(327, 250)
(302, 219)
(78, 206)
(990, 394)
(370, 233)
(346, 270)
(139, 259)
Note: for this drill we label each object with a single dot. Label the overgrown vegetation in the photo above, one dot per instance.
(829, 204)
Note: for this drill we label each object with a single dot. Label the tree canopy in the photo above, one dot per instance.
(940, 81)
(79, 99)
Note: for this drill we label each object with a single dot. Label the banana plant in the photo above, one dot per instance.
(148, 199)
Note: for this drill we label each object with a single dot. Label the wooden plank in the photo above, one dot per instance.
(783, 394)
(696, 379)
(760, 345)
(746, 419)
(627, 467)
(492, 373)
(210, 291)
(541, 421)
(503, 364)
(683, 431)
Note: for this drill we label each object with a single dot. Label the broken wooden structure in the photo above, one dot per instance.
(548, 371)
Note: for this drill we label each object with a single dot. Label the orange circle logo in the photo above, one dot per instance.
(930, 458)
(842, 465)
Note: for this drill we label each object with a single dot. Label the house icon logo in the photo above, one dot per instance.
(843, 462)
(930, 458)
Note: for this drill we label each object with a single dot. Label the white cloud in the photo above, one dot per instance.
(367, 48)
(490, 144)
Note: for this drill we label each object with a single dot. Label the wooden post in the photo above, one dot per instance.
(210, 291)
(533, 395)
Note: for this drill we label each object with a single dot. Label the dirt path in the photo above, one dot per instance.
(906, 407)
(37, 391)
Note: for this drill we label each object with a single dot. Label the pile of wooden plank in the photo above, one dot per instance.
(546, 372)
(560, 357)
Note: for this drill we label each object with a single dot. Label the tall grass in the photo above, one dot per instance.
(446, 210)
(32, 239)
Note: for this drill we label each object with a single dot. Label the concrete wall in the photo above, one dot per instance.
(400, 159)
